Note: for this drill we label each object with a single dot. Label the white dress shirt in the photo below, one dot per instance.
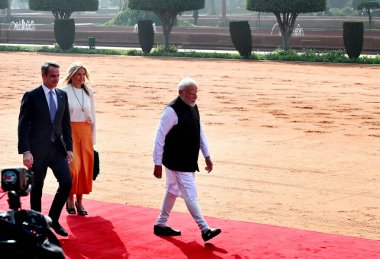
(82, 107)
(47, 91)
(168, 119)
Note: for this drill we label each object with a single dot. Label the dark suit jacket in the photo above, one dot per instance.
(35, 127)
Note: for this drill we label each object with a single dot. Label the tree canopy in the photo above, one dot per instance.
(286, 12)
(4, 4)
(62, 9)
(167, 11)
(166, 5)
(286, 6)
(338, 3)
(368, 6)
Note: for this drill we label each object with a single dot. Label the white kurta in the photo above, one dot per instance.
(178, 184)
(168, 119)
(174, 179)
(82, 107)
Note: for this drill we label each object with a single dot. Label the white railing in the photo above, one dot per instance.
(22, 25)
(297, 32)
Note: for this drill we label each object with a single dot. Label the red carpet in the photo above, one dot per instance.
(122, 231)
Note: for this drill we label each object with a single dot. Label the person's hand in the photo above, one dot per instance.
(27, 159)
(157, 172)
(209, 165)
(70, 156)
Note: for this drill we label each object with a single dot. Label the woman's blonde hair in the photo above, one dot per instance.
(73, 68)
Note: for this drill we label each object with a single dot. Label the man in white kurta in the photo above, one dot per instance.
(178, 140)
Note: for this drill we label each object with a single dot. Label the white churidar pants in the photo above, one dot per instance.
(181, 184)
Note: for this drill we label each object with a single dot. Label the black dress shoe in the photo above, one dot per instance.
(210, 233)
(59, 229)
(165, 231)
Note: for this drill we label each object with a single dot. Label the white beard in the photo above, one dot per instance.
(188, 103)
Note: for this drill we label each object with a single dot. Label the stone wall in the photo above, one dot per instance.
(189, 38)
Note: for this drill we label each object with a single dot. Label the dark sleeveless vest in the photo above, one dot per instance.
(182, 143)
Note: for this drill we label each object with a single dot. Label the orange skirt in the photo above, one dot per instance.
(82, 167)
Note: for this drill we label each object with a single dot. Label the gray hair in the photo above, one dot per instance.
(187, 81)
(46, 65)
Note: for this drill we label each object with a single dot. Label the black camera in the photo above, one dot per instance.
(24, 233)
(17, 179)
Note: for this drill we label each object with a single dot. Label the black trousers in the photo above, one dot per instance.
(56, 160)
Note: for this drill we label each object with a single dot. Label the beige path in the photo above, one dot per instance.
(294, 144)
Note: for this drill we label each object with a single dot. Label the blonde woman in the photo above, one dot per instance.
(83, 126)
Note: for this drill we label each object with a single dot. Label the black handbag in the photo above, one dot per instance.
(96, 165)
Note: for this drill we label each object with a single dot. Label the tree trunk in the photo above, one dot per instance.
(167, 18)
(258, 20)
(62, 15)
(195, 16)
(166, 37)
(285, 41)
(286, 25)
(369, 18)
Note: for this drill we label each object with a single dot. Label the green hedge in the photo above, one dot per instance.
(277, 55)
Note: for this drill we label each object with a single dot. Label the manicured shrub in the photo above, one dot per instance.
(241, 37)
(167, 11)
(62, 9)
(131, 17)
(286, 12)
(64, 32)
(64, 27)
(353, 34)
(146, 35)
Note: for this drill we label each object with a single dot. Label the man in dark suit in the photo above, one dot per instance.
(44, 139)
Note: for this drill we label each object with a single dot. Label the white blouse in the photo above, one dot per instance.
(168, 119)
(82, 106)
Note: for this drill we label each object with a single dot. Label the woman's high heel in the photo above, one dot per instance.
(81, 212)
(70, 210)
